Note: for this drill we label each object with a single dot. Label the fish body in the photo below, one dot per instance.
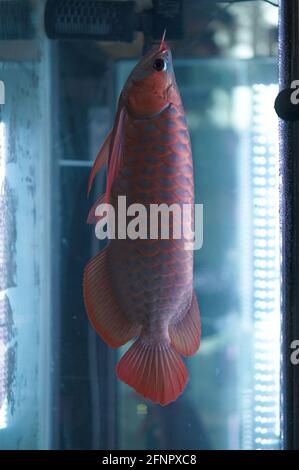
(143, 288)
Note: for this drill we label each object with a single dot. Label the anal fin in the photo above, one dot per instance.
(185, 334)
(102, 307)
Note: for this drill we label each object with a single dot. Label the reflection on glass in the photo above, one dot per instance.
(3, 310)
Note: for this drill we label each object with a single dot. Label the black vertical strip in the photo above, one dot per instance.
(289, 151)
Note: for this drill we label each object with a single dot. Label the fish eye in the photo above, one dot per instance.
(159, 65)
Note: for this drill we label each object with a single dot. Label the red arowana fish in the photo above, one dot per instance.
(142, 289)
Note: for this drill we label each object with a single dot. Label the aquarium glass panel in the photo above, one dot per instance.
(58, 100)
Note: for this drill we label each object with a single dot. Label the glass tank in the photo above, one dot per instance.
(58, 387)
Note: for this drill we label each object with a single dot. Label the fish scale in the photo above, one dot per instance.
(178, 275)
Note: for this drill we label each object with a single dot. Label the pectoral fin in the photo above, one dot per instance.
(92, 218)
(100, 161)
(116, 150)
(111, 154)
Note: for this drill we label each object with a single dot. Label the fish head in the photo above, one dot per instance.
(151, 86)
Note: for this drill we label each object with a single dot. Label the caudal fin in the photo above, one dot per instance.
(156, 371)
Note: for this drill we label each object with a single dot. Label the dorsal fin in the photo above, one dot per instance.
(185, 334)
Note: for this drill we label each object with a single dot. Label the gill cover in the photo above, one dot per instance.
(147, 90)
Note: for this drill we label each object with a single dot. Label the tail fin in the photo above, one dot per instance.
(156, 371)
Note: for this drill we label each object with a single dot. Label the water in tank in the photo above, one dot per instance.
(63, 66)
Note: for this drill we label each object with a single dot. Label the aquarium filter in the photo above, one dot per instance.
(112, 21)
